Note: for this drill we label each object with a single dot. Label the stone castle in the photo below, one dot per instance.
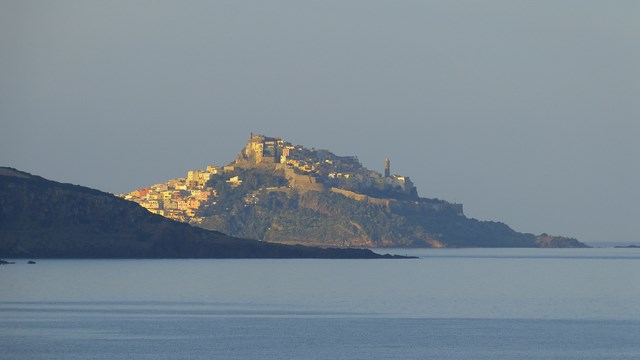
(312, 169)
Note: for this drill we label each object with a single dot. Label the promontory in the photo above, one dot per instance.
(278, 192)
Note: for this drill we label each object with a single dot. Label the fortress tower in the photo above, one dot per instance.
(387, 168)
(263, 150)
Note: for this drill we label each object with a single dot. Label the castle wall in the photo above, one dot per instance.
(299, 181)
(363, 198)
(419, 206)
(429, 207)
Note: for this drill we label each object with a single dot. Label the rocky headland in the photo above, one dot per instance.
(283, 193)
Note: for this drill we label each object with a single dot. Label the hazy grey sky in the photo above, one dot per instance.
(527, 112)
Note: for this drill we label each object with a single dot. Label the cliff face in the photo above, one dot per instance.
(326, 218)
(40, 218)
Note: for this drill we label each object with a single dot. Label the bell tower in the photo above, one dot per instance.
(387, 168)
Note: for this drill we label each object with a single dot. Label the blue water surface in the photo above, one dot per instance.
(447, 304)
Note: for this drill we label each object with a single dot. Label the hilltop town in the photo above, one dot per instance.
(275, 191)
(187, 199)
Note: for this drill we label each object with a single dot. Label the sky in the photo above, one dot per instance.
(526, 112)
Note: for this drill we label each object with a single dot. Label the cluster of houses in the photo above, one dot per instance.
(182, 199)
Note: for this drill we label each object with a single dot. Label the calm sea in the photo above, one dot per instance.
(448, 304)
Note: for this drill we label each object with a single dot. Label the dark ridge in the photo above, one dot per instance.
(40, 218)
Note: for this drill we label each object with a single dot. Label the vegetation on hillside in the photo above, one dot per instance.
(326, 218)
